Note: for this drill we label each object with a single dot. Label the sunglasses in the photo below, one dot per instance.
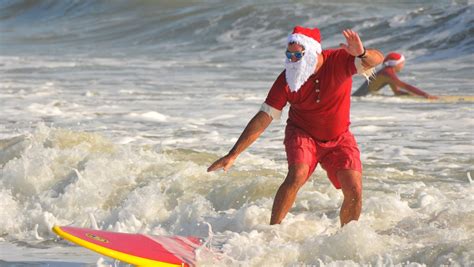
(297, 55)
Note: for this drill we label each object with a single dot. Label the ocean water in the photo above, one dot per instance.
(111, 112)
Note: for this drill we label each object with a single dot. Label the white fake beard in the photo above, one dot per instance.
(297, 73)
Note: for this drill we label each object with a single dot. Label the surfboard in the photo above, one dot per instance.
(137, 249)
(455, 98)
(446, 98)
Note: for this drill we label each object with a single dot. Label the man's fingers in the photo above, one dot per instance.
(214, 166)
(351, 35)
(211, 168)
(222, 163)
(357, 37)
(346, 34)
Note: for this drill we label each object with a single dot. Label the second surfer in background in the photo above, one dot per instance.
(393, 63)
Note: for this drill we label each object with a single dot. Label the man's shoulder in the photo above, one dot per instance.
(280, 81)
(281, 78)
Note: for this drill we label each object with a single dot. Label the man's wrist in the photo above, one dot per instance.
(232, 154)
(364, 54)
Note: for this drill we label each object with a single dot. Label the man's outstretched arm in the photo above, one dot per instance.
(254, 129)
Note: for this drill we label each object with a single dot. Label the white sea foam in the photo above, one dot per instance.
(150, 115)
(149, 190)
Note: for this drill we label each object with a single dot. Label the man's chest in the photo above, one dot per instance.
(316, 93)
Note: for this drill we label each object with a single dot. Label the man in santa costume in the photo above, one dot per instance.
(317, 85)
(393, 63)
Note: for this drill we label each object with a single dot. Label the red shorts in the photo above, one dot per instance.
(341, 153)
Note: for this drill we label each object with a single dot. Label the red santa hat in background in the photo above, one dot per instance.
(307, 37)
(393, 59)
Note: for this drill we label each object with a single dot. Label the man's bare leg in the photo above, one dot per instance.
(286, 194)
(351, 185)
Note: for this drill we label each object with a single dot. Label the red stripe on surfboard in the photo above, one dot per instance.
(140, 245)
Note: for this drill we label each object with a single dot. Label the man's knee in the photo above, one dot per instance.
(351, 184)
(297, 175)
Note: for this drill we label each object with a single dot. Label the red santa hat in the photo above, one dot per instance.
(393, 59)
(309, 38)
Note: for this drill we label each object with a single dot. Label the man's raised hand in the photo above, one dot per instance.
(354, 45)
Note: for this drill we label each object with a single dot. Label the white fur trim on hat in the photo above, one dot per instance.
(392, 63)
(305, 41)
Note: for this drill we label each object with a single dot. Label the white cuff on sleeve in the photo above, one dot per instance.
(273, 112)
(367, 73)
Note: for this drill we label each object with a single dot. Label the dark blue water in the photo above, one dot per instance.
(170, 28)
